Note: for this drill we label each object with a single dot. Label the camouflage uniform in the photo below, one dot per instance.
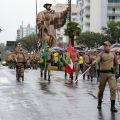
(76, 63)
(86, 63)
(108, 68)
(20, 62)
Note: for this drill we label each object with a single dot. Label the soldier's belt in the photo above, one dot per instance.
(105, 71)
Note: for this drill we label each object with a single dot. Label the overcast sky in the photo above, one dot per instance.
(13, 12)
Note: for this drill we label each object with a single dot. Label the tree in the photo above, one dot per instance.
(72, 30)
(91, 39)
(29, 42)
(112, 31)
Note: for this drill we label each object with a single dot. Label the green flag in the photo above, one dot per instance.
(44, 49)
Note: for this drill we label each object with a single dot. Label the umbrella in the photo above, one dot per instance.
(116, 45)
(115, 49)
(57, 48)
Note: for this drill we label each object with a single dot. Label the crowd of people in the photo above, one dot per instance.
(104, 65)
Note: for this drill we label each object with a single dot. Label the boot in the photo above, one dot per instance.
(99, 104)
(65, 76)
(22, 78)
(113, 109)
(18, 79)
(41, 74)
(76, 79)
(44, 76)
(88, 77)
(71, 77)
(49, 78)
(91, 79)
(83, 77)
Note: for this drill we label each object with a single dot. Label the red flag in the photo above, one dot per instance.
(69, 66)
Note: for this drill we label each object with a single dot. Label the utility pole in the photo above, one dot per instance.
(22, 29)
(69, 14)
(36, 16)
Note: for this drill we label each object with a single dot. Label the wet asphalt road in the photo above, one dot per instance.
(36, 100)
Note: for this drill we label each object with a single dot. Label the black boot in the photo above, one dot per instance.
(41, 74)
(99, 104)
(76, 79)
(18, 79)
(83, 77)
(65, 76)
(71, 77)
(49, 78)
(22, 78)
(113, 109)
(44, 76)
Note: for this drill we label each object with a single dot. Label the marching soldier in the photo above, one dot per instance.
(108, 68)
(47, 63)
(93, 70)
(41, 64)
(76, 64)
(20, 62)
(86, 64)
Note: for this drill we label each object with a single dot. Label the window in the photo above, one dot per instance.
(113, 10)
(114, 1)
(111, 17)
(74, 13)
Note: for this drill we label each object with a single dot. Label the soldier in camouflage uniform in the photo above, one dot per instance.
(76, 63)
(108, 69)
(20, 63)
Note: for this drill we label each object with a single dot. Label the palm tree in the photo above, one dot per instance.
(72, 30)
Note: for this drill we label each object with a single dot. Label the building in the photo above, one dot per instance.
(95, 14)
(61, 38)
(25, 31)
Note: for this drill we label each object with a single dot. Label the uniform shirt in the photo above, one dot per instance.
(76, 59)
(20, 58)
(86, 58)
(107, 61)
(81, 60)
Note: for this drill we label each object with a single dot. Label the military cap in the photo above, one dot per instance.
(45, 5)
(107, 43)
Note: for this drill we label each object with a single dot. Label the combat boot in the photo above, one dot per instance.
(113, 109)
(18, 79)
(41, 74)
(44, 76)
(99, 104)
(83, 77)
(49, 78)
(65, 76)
(22, 78)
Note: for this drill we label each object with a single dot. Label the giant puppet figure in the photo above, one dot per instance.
(49, 20)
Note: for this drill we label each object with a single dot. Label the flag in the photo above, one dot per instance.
(70, 59)
(44, 49)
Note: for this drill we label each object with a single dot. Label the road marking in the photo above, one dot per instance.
(4, 80)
